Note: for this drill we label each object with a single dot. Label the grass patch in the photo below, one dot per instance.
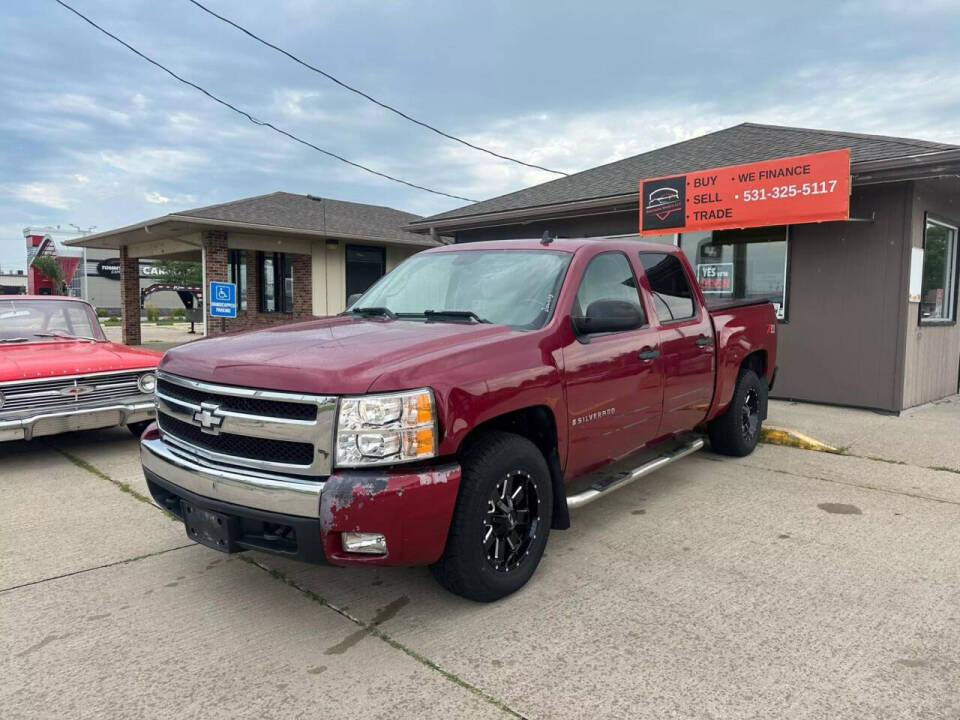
(124, 487)
(944, 468)
(886, 460)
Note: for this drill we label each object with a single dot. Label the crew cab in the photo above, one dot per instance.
(58, 371)
(447, 417)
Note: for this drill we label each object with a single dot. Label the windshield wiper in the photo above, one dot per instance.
(464, 314)
(65, 336)
(373, 311)
(14, 339)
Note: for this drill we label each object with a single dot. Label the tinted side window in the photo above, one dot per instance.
(607, 277)
(672, 296)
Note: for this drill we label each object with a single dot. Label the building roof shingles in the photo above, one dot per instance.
(744, 143)
(305, 212)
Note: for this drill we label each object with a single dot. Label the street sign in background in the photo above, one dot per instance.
(786, 191)
(223, 300)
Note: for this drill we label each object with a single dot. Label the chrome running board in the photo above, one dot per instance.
(614, 482)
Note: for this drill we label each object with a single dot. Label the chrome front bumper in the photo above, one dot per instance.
(83, 418)
(291, 496)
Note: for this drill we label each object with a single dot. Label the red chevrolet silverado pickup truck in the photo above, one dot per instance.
(446, 417)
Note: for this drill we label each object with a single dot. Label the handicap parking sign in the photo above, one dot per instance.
(223, 300)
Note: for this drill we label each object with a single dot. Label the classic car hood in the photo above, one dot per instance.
(56, 358)
(339, 355)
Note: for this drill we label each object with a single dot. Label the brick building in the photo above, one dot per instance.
(292, 257)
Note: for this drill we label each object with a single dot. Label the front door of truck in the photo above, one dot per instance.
(686, 343)
(612, 379)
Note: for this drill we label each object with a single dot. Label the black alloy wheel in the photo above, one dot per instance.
(750, 415)
(737, 430)
(501, 521)
(512, 521)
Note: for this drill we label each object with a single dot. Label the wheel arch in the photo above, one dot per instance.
(537, 424)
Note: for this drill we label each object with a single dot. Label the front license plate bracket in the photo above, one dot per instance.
(211, 529)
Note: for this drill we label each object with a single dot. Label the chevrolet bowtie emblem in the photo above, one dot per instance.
(209, 419)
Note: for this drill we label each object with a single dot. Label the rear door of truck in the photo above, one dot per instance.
(687, 345)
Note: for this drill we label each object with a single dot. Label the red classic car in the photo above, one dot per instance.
(58, 371)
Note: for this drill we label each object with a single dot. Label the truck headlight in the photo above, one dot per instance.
(386, 429)
(147, 383)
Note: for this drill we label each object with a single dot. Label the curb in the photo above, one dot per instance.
(794, 439)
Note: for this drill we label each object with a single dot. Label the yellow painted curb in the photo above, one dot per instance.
(794, 439)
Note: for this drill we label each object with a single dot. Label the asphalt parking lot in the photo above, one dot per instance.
(790, 584)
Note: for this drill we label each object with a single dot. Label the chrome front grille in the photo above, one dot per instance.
(70, 392)
(248, 428)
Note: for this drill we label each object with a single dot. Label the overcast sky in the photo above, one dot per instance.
(92, 135)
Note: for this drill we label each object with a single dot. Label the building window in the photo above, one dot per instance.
(276, 282)
(672, 296)
(938, 287)
(237, 274)
(364, 266)
(748, 264)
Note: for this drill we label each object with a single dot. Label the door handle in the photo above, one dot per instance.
(703, 341)
(649, 353)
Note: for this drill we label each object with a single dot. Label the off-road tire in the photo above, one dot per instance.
(732, 433)
(464, 568)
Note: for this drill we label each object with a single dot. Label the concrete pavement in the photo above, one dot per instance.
(925, 436)
(786, 584)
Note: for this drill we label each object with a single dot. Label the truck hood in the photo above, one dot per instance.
(57, 358)
(341, 355)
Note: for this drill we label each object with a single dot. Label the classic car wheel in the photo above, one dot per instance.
(137, 428)
(501, 520)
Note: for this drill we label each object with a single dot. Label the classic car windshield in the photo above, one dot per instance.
(36, 320)
(504, 287)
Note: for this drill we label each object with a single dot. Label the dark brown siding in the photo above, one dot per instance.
(841, 339)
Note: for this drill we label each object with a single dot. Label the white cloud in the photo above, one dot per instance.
(46, 194)
(153, 162)
(83, 105)
(155, 198)
(833, 97)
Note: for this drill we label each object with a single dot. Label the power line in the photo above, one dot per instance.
(252, 119)
(372, 99)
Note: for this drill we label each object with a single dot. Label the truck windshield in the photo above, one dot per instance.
(36, 320)
(504, 287)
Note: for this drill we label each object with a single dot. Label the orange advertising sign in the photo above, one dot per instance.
(785, 191)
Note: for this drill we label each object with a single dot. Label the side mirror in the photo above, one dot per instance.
(608, 316)
(352, 299)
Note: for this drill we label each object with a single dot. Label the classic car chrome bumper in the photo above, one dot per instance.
(292, 496)
(81, 418)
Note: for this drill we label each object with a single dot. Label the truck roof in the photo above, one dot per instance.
(568, 245)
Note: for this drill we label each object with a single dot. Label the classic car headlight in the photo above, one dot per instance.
(147, 383)
(386, 429)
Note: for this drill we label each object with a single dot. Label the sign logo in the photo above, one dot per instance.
(209, 418)
(223, 300)
(664, 203)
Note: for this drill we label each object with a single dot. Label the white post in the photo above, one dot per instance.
(203, 286)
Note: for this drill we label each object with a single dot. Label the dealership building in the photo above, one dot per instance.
(867, 306)
(290, 257)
